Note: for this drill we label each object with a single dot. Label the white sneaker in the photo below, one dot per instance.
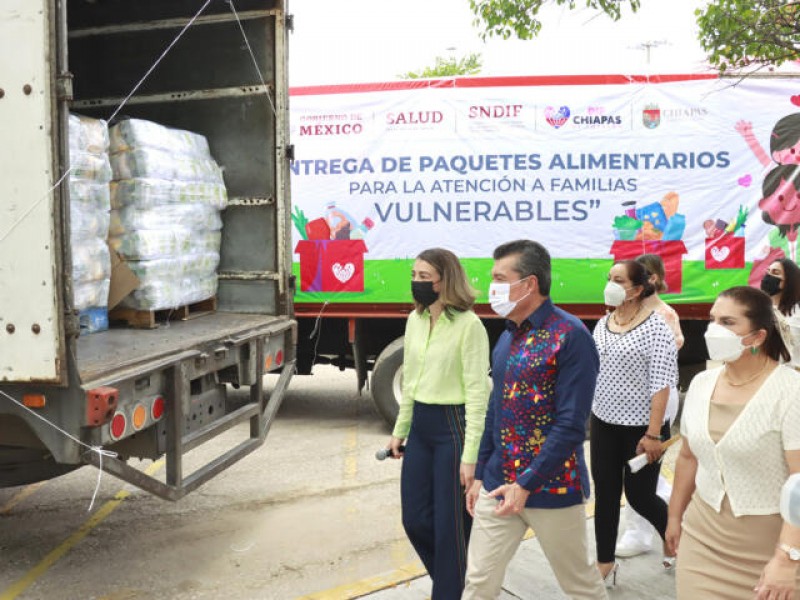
(629, 546)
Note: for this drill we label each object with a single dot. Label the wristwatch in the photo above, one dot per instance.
(791, 551)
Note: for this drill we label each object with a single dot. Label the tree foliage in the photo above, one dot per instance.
(449, 67)
(736, 34)
(739, 34)
(520, 18)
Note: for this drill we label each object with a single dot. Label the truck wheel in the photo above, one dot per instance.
(387, 381)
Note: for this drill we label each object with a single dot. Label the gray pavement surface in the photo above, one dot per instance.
(529, 576)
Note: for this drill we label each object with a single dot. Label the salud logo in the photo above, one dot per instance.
(651, 116)
(556, 116)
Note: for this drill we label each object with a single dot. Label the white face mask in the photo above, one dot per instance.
(614, 294)
(723, 344)
(498, 297)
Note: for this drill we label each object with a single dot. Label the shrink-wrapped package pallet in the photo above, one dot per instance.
(90, 204)
(166, 199)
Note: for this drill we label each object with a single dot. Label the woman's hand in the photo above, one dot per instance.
(777, 580)
(673, 535)
(394, 446)
(467, 474)
(473, 492)
(513, 500)
(650, 447)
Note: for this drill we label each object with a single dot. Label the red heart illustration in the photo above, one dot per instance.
(795, 100)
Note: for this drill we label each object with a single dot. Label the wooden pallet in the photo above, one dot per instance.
(150, 319)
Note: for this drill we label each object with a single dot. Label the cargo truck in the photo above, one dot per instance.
(598, 168)
(142, 393)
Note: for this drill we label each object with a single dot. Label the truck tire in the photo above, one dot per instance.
(387, 380)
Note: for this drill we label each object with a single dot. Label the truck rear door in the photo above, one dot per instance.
(31, 339)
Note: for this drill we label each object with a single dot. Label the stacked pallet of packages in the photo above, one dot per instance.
(166, 199)
(90, 204)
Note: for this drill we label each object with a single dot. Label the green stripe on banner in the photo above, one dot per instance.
(575, 281)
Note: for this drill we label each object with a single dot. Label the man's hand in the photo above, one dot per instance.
(467, 475)
(514, 499)
(473, 492)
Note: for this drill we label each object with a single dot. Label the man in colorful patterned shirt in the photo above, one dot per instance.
(531, 471)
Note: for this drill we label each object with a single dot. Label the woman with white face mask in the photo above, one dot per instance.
(639, 533)
(741, 441)
(638, 366)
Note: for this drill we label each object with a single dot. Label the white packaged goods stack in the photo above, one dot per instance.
(166, 199)
(90, 203)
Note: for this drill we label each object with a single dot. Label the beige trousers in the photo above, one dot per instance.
(561, 533)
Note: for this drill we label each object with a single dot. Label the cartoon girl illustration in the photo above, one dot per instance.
(781, 207)
(784, 141)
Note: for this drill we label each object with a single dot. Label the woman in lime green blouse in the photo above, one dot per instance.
(441, 418)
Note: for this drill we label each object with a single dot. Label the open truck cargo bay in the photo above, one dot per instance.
(86, 57)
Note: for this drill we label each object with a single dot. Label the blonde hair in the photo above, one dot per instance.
(455, 292)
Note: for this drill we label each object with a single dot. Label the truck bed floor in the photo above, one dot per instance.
(101, 354)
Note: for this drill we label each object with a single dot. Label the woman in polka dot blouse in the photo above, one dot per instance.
(638, 365)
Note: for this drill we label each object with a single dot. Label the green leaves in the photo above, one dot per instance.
(449, 67)
(519, 18)
(736, 34)
(742, 34)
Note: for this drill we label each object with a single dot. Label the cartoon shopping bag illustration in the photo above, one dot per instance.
(725, 252)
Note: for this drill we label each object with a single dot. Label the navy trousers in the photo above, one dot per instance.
(434, 510)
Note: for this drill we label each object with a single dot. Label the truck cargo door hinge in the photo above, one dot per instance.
(289, 22)
(290, 152)
(64, 86)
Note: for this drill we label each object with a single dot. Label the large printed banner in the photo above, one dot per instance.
(701, 171)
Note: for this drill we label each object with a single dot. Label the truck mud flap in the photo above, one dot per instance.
(260, 412)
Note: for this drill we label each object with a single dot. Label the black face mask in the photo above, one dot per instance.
(771, 285)
(423, 293)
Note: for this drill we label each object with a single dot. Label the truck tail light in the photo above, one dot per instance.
(157, 409)
(34, 400)
(100, 405)
(268, 362)
(119, 423)
(279, 358)
(139, 417)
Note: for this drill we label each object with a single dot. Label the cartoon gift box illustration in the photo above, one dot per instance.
(331, 265)
(331, 251)
(671, 252)
(725, 242)
(655, 228)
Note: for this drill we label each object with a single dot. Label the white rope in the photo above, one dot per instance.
(253, 57)
(97, 449)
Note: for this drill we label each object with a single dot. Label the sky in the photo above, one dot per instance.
(361, 41)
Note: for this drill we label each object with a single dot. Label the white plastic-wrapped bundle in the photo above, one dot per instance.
(197, 217)
(166, 199)
(91, 260)
(158, 163)
(148, 244)
(171, 293)
(149, 271)
(148, 193)
(138, 133)
(90, 203)
(88, 135)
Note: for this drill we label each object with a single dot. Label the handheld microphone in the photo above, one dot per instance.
(387, 452)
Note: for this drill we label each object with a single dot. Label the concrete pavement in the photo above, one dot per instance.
(529, 576)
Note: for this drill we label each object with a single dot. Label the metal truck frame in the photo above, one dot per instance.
(66, 398)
